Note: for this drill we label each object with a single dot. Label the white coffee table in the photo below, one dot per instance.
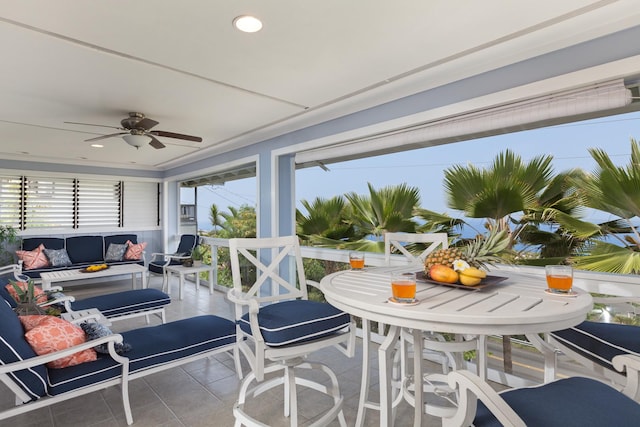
(182, 270)
(77, 274)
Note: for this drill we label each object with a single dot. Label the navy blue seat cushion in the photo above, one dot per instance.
(30, 243)
(296, 321)
(126, 302)
(83, 249)
(574, 401)
(14, 348)
(601, 342)
(151, 346)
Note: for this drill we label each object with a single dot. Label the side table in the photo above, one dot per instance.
(182, 270)
(90, 313)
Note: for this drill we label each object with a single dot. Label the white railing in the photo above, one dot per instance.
(624, 285)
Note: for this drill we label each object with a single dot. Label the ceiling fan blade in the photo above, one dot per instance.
(177, 136)
(155, 143)
(91, 124)
(105, 136)
(146, 123)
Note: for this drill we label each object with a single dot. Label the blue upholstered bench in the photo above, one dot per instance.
(153, 349)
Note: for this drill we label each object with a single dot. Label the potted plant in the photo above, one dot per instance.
(8, 236)
(197, 255)
(27, 299)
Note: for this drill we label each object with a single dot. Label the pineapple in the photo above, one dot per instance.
(444, 257)
(480, 252)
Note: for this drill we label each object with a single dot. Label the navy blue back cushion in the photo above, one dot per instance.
(4, 294)
(120, 239)
(82, 249)
(31, 243)
(187, 243)
(14, 348)
(601, 342)
(573, 401)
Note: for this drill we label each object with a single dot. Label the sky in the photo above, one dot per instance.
(424, 168)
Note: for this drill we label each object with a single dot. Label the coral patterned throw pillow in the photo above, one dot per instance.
(46, 334)
(38, 294)
(33, 259)
(134, 251)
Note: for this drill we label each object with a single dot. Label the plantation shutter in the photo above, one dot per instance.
(99, 203)
(49, 203)
(140, 204)
(10, 201)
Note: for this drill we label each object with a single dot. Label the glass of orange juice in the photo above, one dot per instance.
(559, 278)
(356, 260)
(403, 287)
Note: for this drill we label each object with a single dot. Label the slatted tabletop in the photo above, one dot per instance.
(517, 305)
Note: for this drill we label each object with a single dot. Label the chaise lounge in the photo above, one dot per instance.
(153, 349)
(114, 306)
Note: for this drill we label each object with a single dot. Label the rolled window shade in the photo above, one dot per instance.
(549, 108)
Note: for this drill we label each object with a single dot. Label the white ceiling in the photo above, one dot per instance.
(183, 64)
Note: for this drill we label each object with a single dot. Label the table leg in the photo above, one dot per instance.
(418, 345)
(46, 284)
(143, 280)
(211, 280)
(133, 281)
(385, 364)
(365, 381)
(550, 356)
(197, 283)
(181, 290)
(482, 357)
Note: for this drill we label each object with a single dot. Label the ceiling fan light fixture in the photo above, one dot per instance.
(247, 23)
(136, 140)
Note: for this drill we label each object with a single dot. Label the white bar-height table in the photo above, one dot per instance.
(517, 306)
(182, 270)
(80, 274)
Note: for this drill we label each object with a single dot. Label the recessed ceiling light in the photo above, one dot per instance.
(247, 23)
(97, 145)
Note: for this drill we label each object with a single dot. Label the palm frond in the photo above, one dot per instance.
(609, 258)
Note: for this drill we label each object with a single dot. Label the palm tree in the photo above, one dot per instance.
(509, 186)
(239, 222)
(326, 218)
(615, 190)
(512, 195)
(215, 217)
(389, 209)
(366, 218)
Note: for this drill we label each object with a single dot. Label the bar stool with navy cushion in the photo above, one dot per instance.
(573, 401)
(160, 260)
(277, 326)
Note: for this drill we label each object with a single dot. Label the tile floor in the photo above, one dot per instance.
(201, 393)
